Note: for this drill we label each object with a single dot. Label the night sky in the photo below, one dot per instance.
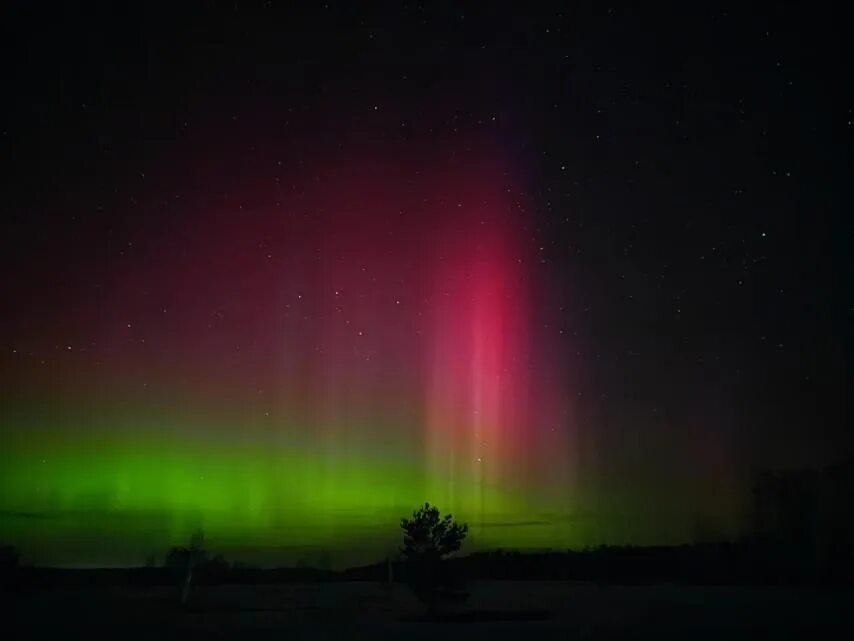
(574, 274)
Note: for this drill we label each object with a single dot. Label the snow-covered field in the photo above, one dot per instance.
(361, 610)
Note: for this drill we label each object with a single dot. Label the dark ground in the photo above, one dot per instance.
(367, 610)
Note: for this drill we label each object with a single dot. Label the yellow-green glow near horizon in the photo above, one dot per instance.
(158, 488)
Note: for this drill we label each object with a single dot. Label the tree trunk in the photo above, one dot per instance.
(185, 590)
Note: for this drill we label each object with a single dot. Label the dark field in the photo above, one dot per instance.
(366, 610)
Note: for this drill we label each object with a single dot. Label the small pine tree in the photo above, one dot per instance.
(428, 536)
(427, 539)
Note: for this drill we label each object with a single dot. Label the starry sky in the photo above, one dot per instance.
(576, 274)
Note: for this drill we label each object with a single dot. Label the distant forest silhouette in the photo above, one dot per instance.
(802, 532)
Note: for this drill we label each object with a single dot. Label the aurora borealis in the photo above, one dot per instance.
(317, 363)
(285, 273)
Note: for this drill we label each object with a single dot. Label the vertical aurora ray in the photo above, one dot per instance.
(303, 373)
(478, 423)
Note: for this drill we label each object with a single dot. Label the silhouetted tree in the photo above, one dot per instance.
(427, 539)
(429, 536)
